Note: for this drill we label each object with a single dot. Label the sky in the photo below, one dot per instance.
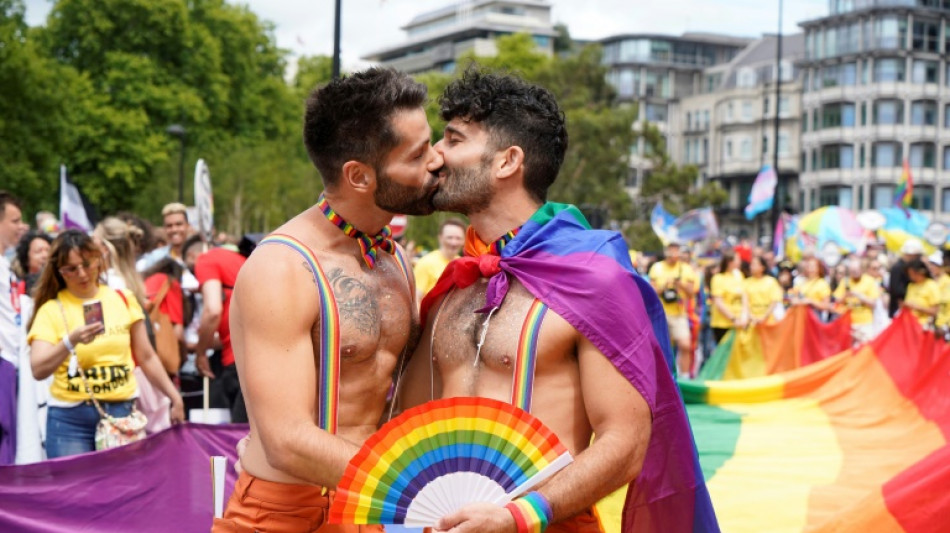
(305, 27)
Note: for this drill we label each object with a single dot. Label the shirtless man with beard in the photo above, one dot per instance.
(368, 136)
(599, 369)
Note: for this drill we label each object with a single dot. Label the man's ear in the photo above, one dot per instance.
(509, 162)
(358, 176)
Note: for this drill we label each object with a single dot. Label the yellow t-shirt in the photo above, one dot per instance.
(867, 287)
(927, 294)
(663, 275)
(943, 316)
(107, 360)
(428, 269)
(730, 288)
(816, 290)
(762, 293)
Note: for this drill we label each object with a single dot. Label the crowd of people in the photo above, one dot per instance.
(125, 317)
(741, 286)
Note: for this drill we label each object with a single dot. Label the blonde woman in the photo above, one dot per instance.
(117, 238)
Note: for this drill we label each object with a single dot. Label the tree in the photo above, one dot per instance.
(40, 122)
(206, 64)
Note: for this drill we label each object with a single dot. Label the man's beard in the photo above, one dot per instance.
(465, 190)
(403, 199)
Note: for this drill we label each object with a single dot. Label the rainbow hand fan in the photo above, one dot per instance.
(440, 456)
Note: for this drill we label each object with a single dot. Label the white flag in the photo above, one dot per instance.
(74, 211)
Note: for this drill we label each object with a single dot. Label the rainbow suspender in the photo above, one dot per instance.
(329, 378)
(527, 358)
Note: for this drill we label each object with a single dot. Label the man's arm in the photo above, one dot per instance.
(273, 311)
(622, 424)
(211, 310)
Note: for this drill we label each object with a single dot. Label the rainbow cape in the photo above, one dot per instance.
(586, 277)
(855, 442)
(798, 340)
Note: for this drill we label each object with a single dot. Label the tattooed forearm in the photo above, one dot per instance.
(355, 302)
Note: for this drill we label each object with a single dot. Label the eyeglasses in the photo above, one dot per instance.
(72, 271)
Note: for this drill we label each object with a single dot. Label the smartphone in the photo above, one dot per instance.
(92, 311)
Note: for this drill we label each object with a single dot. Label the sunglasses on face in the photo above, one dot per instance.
(71, 271)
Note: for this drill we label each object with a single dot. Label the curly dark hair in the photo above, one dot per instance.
(23, 248)
(349, 119)
(514, 113)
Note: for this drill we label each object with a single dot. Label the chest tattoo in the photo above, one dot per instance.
(355, 302)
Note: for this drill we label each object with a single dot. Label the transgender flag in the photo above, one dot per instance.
(763, 192)
(75, 211)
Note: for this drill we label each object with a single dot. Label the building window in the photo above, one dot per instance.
(628, 84)
(923, 155)
(888, 112)
(814, 163)
(923, 198)
(860, 196)
(745, 78)
(835, 195)
(727, 150)
(861, 158)
(745, 149)
(656, 112)
(849, 74)
(864, 113)
(783, 146)
(837, 156)
(837, 115)
(765, 144)
(946, 117)
(804, 122)
(729, 112)
(784, 106)
(923, 113)
(803, 162)
(882, 196)
(765, 107)
(886, 155)
(926, 37)
(945, 200)
(890, 32)
(888, 69)
(746, 110)
(946, 158)
(657, 84)
(925, 71)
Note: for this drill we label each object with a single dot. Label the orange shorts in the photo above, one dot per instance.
(257, 505)
(583, 522)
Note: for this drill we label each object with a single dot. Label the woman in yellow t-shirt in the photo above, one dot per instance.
(67, 334)
(730, 307)
(814, 291)
(923, 294)
(764, 292)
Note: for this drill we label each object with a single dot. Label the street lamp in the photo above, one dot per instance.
(178, 130)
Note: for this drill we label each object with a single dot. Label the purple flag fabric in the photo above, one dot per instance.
(159, 484)
(8, 386)
(585, 276)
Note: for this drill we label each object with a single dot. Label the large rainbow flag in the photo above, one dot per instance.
(854, 442)
(797, 340)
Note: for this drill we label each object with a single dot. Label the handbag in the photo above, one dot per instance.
(111, 432)
(166, 342)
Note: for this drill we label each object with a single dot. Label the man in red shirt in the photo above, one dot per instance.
(217, 271)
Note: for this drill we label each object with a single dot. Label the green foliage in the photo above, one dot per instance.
(144, 65)
(676, 186)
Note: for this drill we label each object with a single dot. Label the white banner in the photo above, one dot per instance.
(204, 201)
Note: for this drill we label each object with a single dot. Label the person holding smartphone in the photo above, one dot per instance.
(82, 325)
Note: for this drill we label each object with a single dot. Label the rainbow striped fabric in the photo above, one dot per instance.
(859, 441)
(799, 339)
(329, 378)
(904, 191)
(369, 244)
(527, 356)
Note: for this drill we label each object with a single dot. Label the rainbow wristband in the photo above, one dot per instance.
(532, 513)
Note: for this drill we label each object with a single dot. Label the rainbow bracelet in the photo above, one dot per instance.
(532, 513)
